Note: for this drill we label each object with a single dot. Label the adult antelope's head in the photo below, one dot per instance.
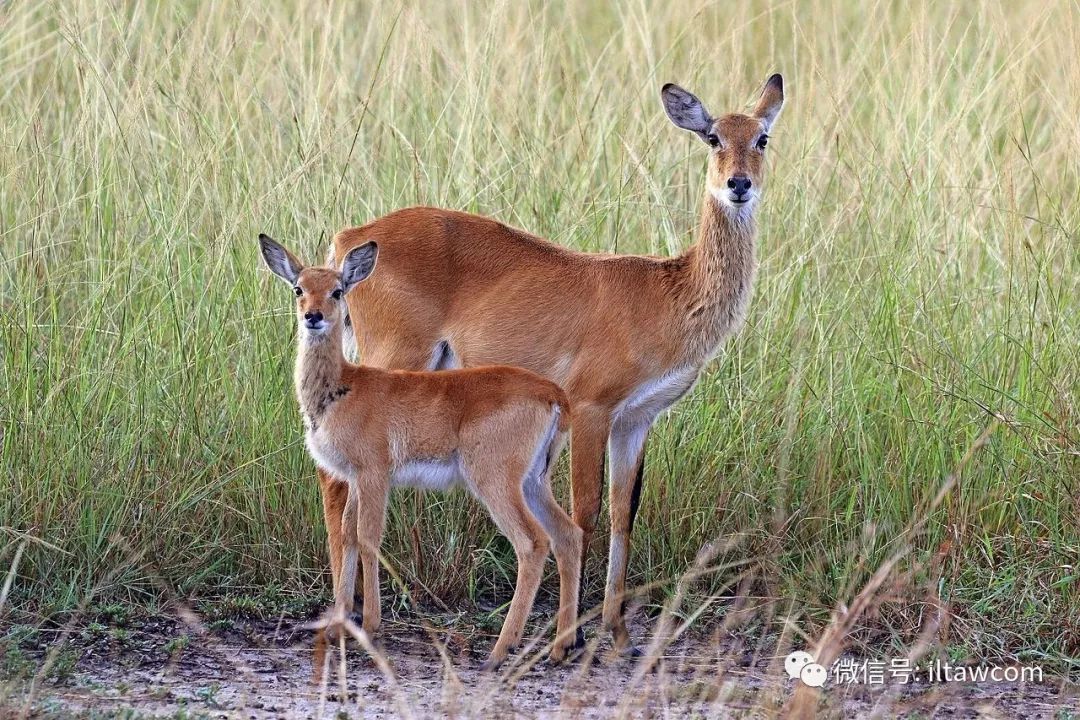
(737, 141)
(320, 291)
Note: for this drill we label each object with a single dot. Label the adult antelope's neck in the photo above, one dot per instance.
(720, 268)
(319, 364)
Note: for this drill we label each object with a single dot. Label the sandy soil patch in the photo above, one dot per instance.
(263, 670)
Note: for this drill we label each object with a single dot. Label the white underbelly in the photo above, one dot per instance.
(436, 474)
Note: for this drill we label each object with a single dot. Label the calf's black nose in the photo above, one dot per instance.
(739, 184)
(315, 316)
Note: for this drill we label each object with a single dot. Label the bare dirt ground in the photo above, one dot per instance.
(263, 670)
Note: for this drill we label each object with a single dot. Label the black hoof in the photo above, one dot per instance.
(490, 665)
(579, 640)
(493, 663)
(570, 654)
(631, 652)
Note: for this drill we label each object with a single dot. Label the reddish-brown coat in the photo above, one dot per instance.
(610, 329)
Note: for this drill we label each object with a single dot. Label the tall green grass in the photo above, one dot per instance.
(919, 284)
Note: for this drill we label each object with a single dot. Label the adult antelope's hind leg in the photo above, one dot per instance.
(627, 453)
(589, 434)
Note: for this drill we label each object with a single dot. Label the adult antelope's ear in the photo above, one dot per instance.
(358, 264)
(280, 261)
(686, 111)
(772, 100)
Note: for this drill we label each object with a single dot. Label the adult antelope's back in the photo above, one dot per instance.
(625, 336)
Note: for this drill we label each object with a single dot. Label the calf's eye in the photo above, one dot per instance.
(336, 294)
(298, 291)
(714, 139)
(762, 142)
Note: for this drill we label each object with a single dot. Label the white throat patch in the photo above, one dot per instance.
(737, 213)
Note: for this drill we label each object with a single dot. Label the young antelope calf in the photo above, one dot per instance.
(496, 430)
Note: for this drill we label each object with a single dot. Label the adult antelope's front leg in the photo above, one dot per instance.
(589, 433)
(626, 450)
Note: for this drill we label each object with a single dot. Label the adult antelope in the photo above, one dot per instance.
(496, 430)
(625, 336)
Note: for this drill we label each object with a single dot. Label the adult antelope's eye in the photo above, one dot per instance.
(297, 290)
(713, 139)
(336, 294)
(762, 142)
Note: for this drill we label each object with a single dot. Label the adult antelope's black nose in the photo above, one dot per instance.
(739, 185)
(313, 317)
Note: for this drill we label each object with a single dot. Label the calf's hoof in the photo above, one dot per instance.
(565, 654)
(558, 655)
(330, 627)
(371, 628)
(622, 643)
(494, 661)
(490, 665)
